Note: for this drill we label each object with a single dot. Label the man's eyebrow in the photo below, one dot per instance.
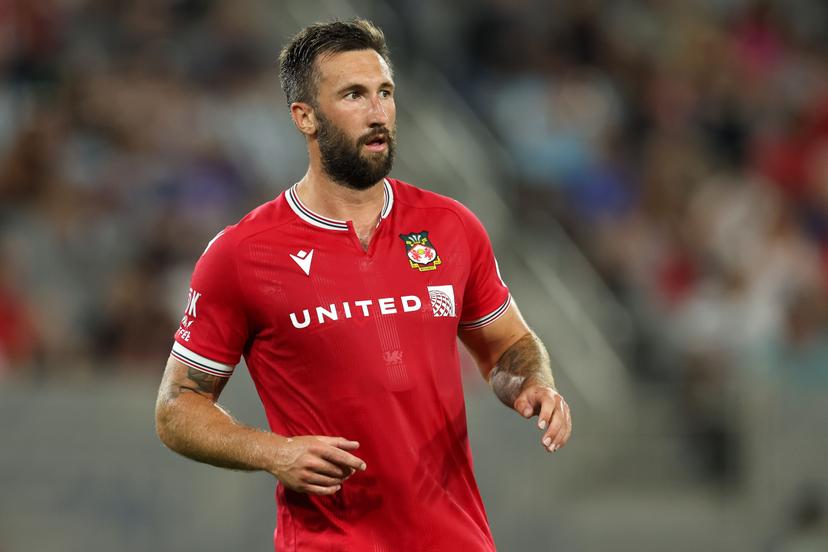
(352, 86)
(361, 87)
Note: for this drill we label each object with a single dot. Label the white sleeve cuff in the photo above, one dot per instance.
(489, 318)
(195, 360)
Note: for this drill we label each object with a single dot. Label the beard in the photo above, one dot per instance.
(343, 160)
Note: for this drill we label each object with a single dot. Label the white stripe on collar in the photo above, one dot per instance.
(389, 199)
(309, 216)
(315, 219)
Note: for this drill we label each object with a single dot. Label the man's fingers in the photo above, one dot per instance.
(555, 425)
(342, 458)
(320, 480)
(568, 432)
(523, 406)
(339, 442)
(553, 414)
(559, 434)
(319, 490)
(547, 409)
(324, 467)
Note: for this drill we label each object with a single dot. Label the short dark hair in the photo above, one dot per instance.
(297, 71)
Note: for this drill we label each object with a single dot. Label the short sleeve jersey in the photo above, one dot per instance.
(360, 344)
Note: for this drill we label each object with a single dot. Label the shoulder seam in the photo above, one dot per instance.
(449, 207)
(257, 232)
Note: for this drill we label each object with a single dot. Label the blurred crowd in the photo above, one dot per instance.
(130, 133)
(684, 147)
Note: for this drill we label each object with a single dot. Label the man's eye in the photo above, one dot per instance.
(385, 93)
(352, 95)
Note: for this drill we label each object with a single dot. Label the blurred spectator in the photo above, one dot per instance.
(18, 340)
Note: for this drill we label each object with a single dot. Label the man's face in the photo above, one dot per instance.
(356, 117)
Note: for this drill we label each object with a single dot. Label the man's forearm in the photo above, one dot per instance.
(525, 362)
(194, 426)
(189, 421)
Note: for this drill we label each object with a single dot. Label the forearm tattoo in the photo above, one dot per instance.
(524, 362)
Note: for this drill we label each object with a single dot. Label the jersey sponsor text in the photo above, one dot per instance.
(349, 309)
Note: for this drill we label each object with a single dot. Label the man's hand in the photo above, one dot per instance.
(552, 410)
(315, 464)
(515, 363)
(189, 421)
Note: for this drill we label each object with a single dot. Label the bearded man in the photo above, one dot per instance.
(346, 295)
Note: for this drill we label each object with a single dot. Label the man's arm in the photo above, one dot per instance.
(189, 421)
(516, 364)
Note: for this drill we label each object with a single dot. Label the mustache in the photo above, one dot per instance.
(382, 132)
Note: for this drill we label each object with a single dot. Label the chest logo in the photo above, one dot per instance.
(442, 300)
(421, 252)
(303, 259)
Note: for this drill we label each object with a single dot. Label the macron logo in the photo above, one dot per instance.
(303, 259)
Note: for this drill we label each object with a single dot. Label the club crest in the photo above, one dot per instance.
(421, 252)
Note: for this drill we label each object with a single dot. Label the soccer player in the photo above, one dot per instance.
(346, 295)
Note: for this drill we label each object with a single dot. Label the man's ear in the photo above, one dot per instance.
(303, 117)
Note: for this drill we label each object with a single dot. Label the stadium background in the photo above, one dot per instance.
(654, 175)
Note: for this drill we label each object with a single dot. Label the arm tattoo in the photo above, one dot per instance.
(524, 362)
(196, 381)
(204, 382)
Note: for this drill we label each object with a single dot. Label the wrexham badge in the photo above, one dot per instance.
(421, 252)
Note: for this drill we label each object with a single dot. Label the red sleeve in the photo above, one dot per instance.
(214, 328)
(486, 297)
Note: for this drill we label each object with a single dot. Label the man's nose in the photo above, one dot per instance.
(378, 112)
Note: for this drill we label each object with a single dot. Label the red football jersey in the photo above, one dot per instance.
(360, 344)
